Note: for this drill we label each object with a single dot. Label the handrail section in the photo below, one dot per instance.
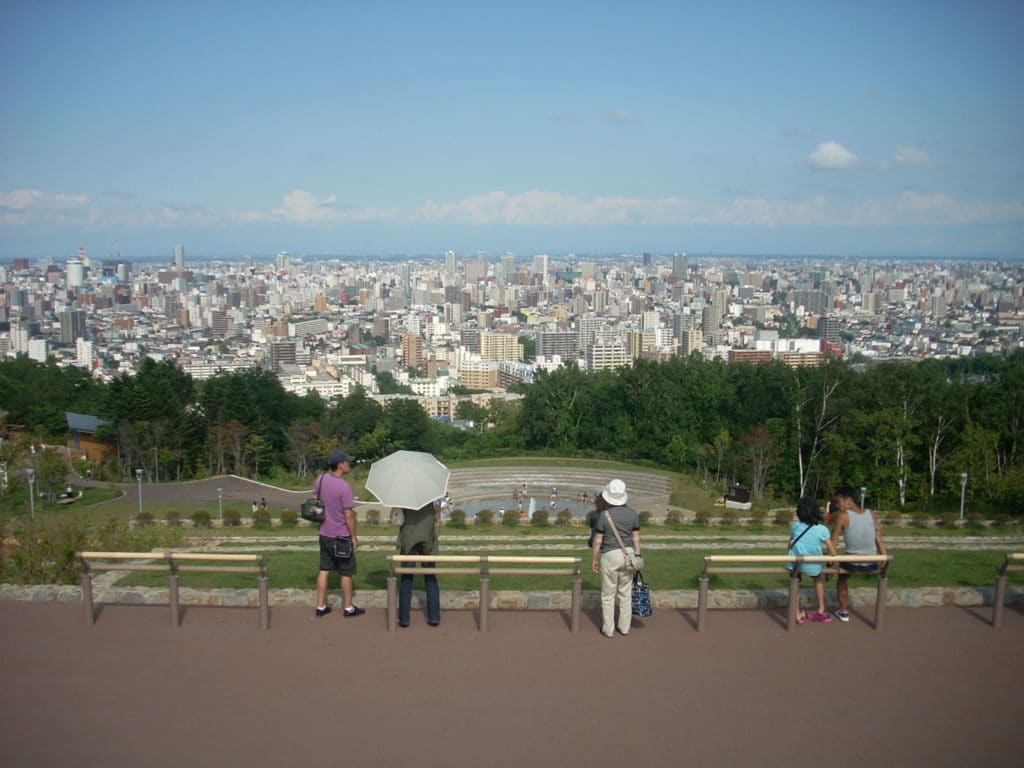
(740, 563)
(485, 570)
(1013, 563)
(173, 563)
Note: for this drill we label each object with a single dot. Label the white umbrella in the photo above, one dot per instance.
(410, 479)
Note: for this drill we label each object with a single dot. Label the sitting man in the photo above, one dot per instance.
(861, 536)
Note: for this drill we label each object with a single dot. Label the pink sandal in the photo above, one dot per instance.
(824, 618)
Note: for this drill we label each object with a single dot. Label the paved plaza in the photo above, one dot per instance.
(937, 687)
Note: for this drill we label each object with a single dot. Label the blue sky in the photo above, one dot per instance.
(331, 127)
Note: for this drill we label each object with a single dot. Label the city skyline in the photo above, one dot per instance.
(875, 130)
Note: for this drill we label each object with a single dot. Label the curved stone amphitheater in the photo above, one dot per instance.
(647, 490)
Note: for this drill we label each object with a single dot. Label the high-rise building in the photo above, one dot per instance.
(72, 325)
(412, 350)
(179, 257)
(451, 263)
(680, 266)
(828, 328)
(499, 346)
(76, 272)
(84, 353)
(562, 343)
(540, 267)
(691, 341)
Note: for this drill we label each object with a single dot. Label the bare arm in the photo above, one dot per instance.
(596, 551)
(636, 541)
(350, 519)
(840, 525)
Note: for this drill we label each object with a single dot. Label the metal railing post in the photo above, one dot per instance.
(485, 601)
(702, 604)
(794, 597)
(90, 615)
(392, 589)
(577, 600)
(173, 590)
(880, 599)
(998, 600)
(264, 601)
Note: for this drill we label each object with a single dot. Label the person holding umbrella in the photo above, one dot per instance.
(338, 540)
(418, 536)
(411, 481)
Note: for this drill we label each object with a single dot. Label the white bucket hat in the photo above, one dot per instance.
(615, 493)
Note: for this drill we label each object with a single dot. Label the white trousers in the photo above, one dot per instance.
(616, 587)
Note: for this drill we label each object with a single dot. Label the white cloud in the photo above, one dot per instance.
(619, 116)
(20, 207)
(832, 156)
(910, 157)
(302, 207)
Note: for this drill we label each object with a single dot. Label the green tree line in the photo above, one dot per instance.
(905, 430)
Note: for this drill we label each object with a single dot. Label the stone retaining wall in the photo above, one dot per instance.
(921, 597)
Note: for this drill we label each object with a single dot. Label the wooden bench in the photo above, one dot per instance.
(1014, 563)
(758, 564)
(172, 564)
(508, 565)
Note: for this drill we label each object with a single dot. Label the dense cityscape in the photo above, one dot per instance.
(478, 323)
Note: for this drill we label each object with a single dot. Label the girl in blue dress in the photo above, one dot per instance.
(806, 537)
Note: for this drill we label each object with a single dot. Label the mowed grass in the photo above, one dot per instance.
(665, 569)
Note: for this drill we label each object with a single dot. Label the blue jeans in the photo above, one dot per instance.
(433, 597)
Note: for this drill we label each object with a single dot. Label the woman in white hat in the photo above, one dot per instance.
(609, 559)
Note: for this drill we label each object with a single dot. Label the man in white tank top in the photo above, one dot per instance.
(861, 536)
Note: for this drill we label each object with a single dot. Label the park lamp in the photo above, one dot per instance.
(220, 503)
(963, 495)
(863, 495)
(31, 474)
(138, 474)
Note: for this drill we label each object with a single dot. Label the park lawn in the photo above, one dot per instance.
(665, 569)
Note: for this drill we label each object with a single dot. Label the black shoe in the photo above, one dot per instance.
(356, 611)
(403, 626)
(323, 611)
(433, 623)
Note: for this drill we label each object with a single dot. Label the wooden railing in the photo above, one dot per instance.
(1014, 563)
(508, 565)
(172, 563)
(747, 564)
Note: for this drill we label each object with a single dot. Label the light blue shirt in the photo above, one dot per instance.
(810, 544)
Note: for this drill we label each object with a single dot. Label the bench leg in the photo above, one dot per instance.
(880, 600)
(90, 615)
(173, 589)
(577, 599)
(702, 604)
(485, 602)
(392, 589)
(794, 600)
(998, 600)
(264, 604)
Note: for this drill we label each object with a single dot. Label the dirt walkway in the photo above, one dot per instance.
(939, 687)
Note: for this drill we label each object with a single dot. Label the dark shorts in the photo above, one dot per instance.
(346, 566)
(858, 567)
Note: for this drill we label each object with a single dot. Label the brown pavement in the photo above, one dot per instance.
(937, 687)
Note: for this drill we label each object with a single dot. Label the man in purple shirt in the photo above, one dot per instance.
(338, 540)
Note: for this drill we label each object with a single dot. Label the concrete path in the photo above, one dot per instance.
(939, 687)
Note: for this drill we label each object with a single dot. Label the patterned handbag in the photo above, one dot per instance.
(312, 509)
(641, 597)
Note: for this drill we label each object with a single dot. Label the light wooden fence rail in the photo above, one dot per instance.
(484, 566)
(172, 563)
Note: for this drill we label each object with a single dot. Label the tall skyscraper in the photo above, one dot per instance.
(451, 263)
(680, 266)
(540, 267)
(72, 325)
(179, 257)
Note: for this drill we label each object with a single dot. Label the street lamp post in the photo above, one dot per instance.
(220, 503)
(31, 491)
(863, 495)
(138, 474)
(963, 495)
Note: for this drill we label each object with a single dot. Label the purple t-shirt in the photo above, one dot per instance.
(336, 494)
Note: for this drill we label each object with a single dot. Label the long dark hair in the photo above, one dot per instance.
(808, 511)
